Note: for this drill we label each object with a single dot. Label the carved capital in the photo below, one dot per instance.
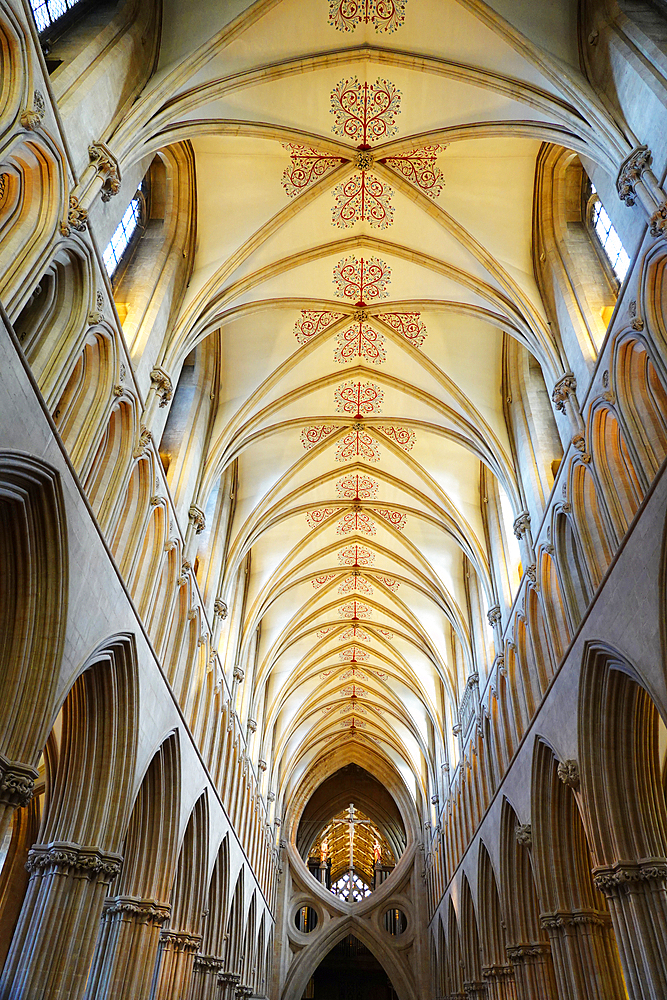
(252, 726)
(531, 573)
(163, 386)
(579, 442)
(243, 992)
(220, 608)
(657, 227)
(17, 782)
(619, 879)
(498, 972)
(475, 991)
(563, 389)
(77, 217)
(208, 963)
(568, 772)
(144, 442)
(261, 765)
(32, 117)
(106, 166)
(566, 919)
(197, 518)
(631, 171)
(521, 524)
(238, 674)
(180, 941)
(529, 954)
(270, 796)
(139, 911)
(494, 615)
(70, 859)
(524, 834)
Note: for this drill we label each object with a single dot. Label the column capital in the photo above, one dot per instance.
(106, 166)
(141, 911)
(494, 615)
(197, 518)
(568, 772)
(220, 608)
(243, 992)
(562, 919)
(527, 953)
(71, 859)
(619, 878)
(524, 834)
(521, 524)
(163, 385)
(565, 387)
(17, 782)
(181, 940)
(632, 168)
(208, 963)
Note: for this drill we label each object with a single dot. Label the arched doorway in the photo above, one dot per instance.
(350, 971)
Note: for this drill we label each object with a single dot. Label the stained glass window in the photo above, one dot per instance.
(609, 239)
(122, 237)
(46, 12)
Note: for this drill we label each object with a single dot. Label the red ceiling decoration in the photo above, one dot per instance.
(354, 653)
(384, 15)
(356, 632)
(420, 168)
(365, 112)
(356, 555)
(306, 166)
(389, 582)
(355, 584)
(357, 444)
(363, 197)
(360, 341)
(358, 399)
(361, 280)
(356, 520)
(409, 325)
(357, 487)
(320, 515)
(394, 517)
(322, 632)
(310, 436)
(386, 633)
(320, 581)
(313, 321)
(400, 435)
(354, 609)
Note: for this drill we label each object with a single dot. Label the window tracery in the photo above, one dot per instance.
(125, 232)
(607, 236)
(47, 12)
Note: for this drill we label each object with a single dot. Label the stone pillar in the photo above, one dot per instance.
(533, 975)
(175, 964)
(585, 963)
(17, 781)
(499, 982)
(205, 977)
(54, 941)
(227, 983)
(244, 992)
(636, 892)
(127, 947)
(636, 182)
(564, 398)
(475, 991)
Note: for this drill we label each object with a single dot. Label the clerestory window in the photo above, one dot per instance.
(47, 12)
(607, 237)
(124, 234)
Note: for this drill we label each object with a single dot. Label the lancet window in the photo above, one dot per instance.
(47, 12)
(125, 234)
(607, 236)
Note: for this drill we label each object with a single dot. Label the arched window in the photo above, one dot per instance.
(47, 12)
(606, 235)
(126, 234)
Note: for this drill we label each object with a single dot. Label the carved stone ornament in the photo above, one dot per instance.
(17, 782)
(144, 442)
(521, 524)
(576, 918)
(163, 386)
(140, 911)
(617, 879)
(568, 772)
(270, 796)
(77, 217)
(261, 765)
(527, 953)
(180, 941)
(106, 165)
(208, 963)
(434, 800)
(243, 992)
(631, 171)
(238, 674)
(579, 442)
(531, 573)
(118, 390)
(494, 615)
(252, 726)
(197, 518)
(220, 608)
(658, 224)
(70, 859)
(524, 834)
(364, 159)
(563, 389)
(498, 972)
(32, 118)
(475, 991)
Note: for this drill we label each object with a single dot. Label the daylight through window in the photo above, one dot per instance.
(46, 12)
(121, 238)
(610, 240)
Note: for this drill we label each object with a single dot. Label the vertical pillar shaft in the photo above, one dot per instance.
(227, 983)
(636, 892)
(585, 962)
(54, 941)
(499, 982)
(205, 977)
(127, 948)
(533, 974)
(175, 964)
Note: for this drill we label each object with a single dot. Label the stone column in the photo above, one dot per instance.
(533, 975)
(54, 941)
(636, 182)
(127, 947)
(585, 964)
(227, 983)
(205, 977)
(175, 964)
(636, 892)
(17, 781)
(475, 991)
(244, 992)
(499, 982)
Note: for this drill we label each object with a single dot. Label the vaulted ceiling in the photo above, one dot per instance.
(365, 174)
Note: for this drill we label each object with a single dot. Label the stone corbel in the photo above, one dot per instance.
(636, 182)
(564, 398)
(162, 385)
(197, 518)
(524, 835)
(220, 608)
(32, 117)
(77, 217)
(106, 167)
(568, 772)
(17, 782)
(494, 616)
(523, 535)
